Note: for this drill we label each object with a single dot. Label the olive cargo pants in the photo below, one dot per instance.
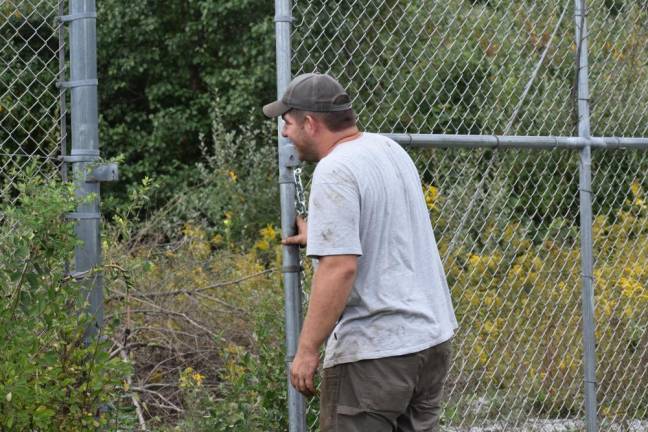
(401, 393)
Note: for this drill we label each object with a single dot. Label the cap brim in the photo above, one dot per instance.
(275, 109)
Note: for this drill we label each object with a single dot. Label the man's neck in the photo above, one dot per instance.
(341, 137)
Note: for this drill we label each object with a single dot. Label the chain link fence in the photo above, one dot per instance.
(621, 275)
(34, 35)
(507, 220)
(31, 127)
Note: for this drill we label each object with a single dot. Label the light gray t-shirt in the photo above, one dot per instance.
(366, 199)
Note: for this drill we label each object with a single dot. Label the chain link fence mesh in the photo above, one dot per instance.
(507, 221)
(455, 67)
(618, 45)
(510, 245)
(30, 104)
(621, 286)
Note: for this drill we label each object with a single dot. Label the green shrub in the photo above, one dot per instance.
(232, 194)
(50, 379)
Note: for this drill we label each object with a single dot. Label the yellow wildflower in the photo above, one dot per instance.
(489, 327)
(268, 233)
(191, 378)
(198, 378)
(483, 357)
(269, 236)
(431, 196)
(262, 245)
(630, 288)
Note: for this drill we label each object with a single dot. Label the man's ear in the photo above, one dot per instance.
(310, 124)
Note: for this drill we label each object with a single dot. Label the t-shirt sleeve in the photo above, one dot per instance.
(333, 219)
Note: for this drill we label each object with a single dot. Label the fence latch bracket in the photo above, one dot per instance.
(288, 156)
(105, 172)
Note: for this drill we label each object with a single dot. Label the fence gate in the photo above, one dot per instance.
(528, 122)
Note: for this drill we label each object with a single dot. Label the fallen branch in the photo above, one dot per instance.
(134, 397)
(170, 406)
(122, 296)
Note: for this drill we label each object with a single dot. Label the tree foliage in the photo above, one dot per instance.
(161, 65)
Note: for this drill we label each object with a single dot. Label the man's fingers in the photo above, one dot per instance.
(310, 386)
(288, 240)
(302, 383)
(298, 240)
(296, 380)
(305, 388)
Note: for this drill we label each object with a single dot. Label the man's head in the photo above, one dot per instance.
(317, 114)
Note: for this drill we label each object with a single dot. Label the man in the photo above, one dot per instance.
(379, 293)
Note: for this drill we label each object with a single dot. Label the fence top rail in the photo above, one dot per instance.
(511, 141)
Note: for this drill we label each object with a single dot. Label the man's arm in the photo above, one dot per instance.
(332, 284)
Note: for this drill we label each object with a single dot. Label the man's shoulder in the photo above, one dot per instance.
(375, 137)
(347, 161)
(334, 169)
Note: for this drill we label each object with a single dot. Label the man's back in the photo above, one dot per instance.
(366, 199)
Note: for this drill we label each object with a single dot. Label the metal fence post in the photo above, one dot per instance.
(589, 360)
(85, 151)
(62, 96)
(288, 160)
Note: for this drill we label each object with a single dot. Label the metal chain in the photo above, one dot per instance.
(300, 196)
(302, 210)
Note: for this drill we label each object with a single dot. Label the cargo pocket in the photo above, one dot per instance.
(377, 408)
(379, 395)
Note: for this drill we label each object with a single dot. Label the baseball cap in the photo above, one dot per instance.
(310, 92)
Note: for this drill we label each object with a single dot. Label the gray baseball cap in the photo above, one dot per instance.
(310, 92)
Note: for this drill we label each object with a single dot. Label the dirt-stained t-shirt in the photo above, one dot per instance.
(366, 199)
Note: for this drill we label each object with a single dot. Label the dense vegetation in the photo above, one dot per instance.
(193, 337)
(165, 67)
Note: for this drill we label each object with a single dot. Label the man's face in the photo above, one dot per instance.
(296, 132)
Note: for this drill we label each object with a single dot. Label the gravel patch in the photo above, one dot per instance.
(554, 425)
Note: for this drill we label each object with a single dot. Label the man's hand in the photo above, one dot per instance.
(303, 370)
(300, 238)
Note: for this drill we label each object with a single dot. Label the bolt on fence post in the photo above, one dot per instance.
(291, 268)
(85, 151)
(589, 361)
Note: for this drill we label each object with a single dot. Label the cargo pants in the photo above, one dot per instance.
(401, 393)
